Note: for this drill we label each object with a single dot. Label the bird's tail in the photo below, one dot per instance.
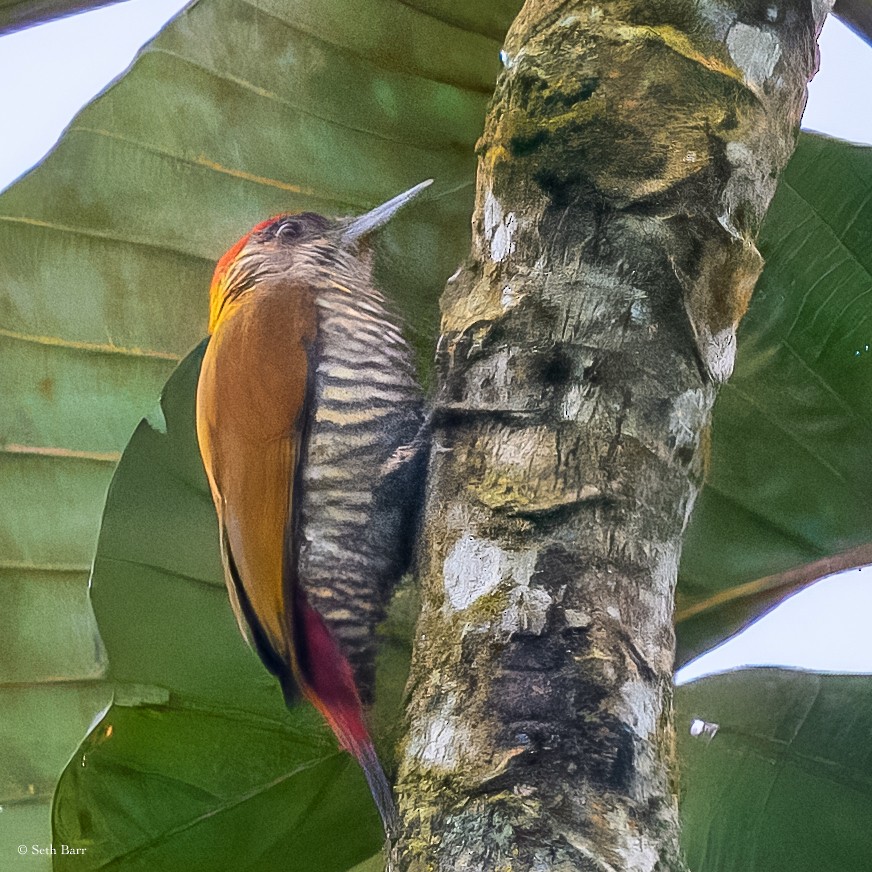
(327, 681)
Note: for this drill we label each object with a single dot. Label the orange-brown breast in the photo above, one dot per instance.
(250, 400)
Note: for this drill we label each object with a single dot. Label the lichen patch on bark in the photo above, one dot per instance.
(441, 744)
(754, 50)
(472, 569)
(498, 228)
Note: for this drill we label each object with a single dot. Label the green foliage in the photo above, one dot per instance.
(785, 785)
(237, 111)
(790, 479)
(164, 788)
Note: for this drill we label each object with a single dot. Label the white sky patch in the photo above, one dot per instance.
(826, 627)
(49, 72)
(838, 96)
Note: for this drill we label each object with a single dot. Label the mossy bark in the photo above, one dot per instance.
(628, 158)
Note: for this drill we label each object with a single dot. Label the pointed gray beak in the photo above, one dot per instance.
(363, 224)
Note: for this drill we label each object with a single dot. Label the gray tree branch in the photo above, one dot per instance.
(857, 14)
(629, 155)
(27, 13)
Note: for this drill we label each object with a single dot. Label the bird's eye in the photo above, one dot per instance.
(289, 230)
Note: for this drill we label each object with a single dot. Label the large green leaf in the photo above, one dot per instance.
(785, 784)
(237, 111)
(790, 481)
(198, 765)
(165, 788)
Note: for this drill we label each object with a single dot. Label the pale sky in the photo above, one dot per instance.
(50, 71)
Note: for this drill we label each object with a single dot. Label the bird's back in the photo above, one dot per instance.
(358, 508)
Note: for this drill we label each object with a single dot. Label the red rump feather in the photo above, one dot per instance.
(328, 683)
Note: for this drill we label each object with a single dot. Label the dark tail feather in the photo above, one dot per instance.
(380, 789)
(327, 681)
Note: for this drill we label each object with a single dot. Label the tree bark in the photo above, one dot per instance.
(629, 155)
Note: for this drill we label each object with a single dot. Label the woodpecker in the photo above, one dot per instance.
(311, 426)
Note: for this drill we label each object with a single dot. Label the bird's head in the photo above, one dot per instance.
(301, 245)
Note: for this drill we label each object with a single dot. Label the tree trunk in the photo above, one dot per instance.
(628, 158)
